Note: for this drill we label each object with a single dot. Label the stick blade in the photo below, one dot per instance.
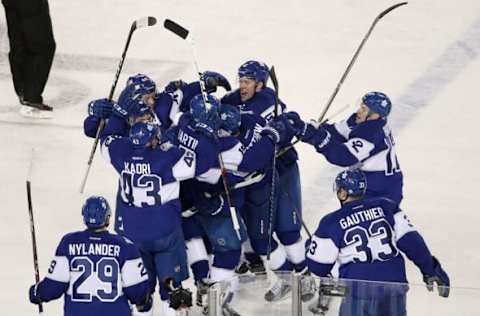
(393, 7)
(175, 28)
(144, 22)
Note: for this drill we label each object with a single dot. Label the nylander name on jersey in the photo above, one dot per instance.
(98, 272)
(83, 249)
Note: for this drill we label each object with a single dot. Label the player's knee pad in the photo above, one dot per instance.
(296, 251)
(226, 259)
(260, 246)
(278, 257)
(196, 250)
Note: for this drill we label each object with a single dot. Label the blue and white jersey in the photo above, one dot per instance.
(166, 108)
(365, 237)
(370, 146)
(98, 272)
(262, 104)
(164, 113)
(257, 149)
(148, 206)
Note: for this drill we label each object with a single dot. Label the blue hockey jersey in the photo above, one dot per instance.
(365, 237)
(164, 111)
(262, 104)
(370, 146)
(98, 273)
(148, 206)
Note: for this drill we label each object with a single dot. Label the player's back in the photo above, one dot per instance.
(364, 233)
(148, 207)
(95, 262)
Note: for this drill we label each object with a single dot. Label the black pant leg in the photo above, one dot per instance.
(40, 49)
(17, 54)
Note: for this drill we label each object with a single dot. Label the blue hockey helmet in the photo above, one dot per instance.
(352, 181)
(95, 212)
(254, 70)
(205, 113)
(230, 118)
(143, 133)
(137, 108)
(142, 84)
(378, 102)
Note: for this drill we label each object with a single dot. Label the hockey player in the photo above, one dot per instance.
(364, 140)
(148, 206)
(139, 88)
(99, 273)
(213, 215)
(255, 97)
(366, 236)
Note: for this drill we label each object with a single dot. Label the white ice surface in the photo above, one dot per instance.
(423, 55)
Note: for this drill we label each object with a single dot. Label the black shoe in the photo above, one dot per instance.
(38, 106)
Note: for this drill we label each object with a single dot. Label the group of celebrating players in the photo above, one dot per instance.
(214, 185)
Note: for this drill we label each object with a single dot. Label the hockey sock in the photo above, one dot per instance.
(197, 258)
(200, 270)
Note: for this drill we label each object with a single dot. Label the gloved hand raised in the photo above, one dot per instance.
(312, 133)
(213, 80)
(438, 276)
(101, 108)
(175, 85)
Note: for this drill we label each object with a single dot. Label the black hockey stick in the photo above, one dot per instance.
(137, 24)
(349, 67)
(32, 231)
(272, 211)
(182, 32)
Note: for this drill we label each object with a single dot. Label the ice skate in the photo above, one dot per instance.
(279, 290)
(36, 112)
(308, 288)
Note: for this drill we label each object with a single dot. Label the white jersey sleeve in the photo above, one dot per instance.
(322, 250)
(59, 269)
(133, 272)
(402, 225)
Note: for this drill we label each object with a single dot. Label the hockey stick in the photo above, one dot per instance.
(137, 24)
(349, 67)
(32, 230)
(183, 33)
(271, 215)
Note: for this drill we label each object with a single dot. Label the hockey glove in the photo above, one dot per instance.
(279, 130)
(213, 80)
(180, 298)
(295, 122)
(171, 136)
(101, 108)
(440, 277)
(175, 85)
(34, 298)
